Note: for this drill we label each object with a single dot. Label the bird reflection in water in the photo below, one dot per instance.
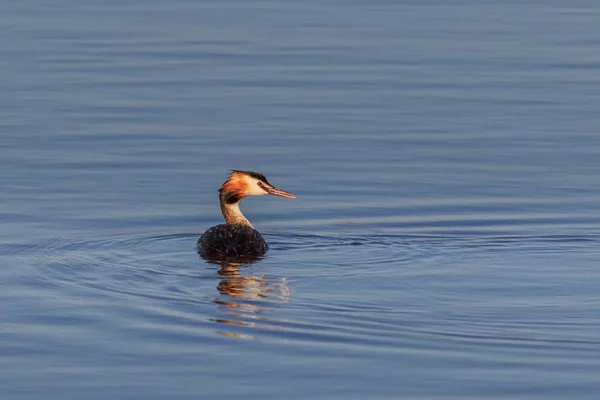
(245, 298)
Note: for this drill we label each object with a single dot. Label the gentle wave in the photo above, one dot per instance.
(166, 286)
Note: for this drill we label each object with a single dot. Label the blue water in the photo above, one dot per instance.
(443, 243)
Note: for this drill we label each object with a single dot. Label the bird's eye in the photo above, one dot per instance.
(259, 184)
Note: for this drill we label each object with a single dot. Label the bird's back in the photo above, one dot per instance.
(232, 240)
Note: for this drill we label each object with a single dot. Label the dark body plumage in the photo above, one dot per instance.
(232, 240)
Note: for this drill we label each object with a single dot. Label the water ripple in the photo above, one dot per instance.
(162, 284)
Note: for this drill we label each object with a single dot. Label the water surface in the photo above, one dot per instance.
(444, 242)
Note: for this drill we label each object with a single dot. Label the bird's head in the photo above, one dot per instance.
(247, 183)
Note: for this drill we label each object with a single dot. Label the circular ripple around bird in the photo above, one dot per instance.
(384, 291)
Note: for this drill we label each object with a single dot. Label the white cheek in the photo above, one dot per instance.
(253, 188)
(256, 190)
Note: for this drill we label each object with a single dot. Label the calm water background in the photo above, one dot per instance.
(443, 245)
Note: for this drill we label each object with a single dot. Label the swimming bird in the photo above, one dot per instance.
(237, 237)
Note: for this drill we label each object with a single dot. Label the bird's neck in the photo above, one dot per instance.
(232, 213)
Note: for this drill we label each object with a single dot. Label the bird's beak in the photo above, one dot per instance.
(278, 192)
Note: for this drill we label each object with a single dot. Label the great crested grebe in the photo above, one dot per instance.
(237, 237)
